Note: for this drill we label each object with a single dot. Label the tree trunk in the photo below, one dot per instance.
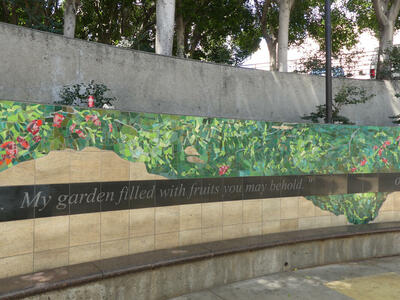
(386, 14)
(6, 13)
(272, 54)
(269, 35)
(70, 8)
(14, 18)
(180, 33)
(283, 35)
(194, 41)
(165, 14)
(385, 44)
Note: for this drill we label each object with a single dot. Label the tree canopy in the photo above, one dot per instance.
(344, 32)
(224, 31)
(44, 15)
(217, 30)
(118, 22)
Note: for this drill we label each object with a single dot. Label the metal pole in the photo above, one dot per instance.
(328, 67)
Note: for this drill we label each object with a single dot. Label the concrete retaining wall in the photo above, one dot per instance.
(35, 65)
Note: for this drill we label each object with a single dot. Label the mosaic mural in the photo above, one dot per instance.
(179, 147)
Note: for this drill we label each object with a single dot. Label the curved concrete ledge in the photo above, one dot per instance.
(167, 273)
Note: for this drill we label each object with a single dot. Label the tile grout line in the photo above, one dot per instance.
(129, 214)
(242, 223)
(100, 213)
(179, 230)
(201, 222)
(280, 214)
(69, 210)
(34, 222)
(154, 226)
(179, 225)
(223, 217)
(216, 295)
(298, 212)
(33, 246)
(262, 216)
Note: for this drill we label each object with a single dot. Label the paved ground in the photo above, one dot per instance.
(375, 279)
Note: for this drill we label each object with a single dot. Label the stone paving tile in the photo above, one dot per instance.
(336, 272)
(277, 287)
(376, 287)
(206, 295)
(389, 264)
(312, 283)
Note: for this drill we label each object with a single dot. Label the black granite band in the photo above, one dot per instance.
(37, 201)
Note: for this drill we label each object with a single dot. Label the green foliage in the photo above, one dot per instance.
(344, 31)
(306, 18)
(219, 30)
(363, 15)
(394, 62)
(358, 208)
(315, 61)
(390, 68)
(132, 24)
(78, 94)
(265, 16)
(343, 62)
(121, 22)
(224, 31)
(44, 15)
(347, 95)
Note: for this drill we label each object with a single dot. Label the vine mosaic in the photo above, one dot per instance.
(198, 147)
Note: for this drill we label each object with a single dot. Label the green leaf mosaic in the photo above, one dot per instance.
(196, 147)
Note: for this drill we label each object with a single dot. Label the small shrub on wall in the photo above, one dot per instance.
(78, 94)
(347, 95)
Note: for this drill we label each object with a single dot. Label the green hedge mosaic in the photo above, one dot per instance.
(195, 147)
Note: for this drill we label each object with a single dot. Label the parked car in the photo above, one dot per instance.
(336, 72)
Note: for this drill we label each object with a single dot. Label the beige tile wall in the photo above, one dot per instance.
(89, 165)
(33, 245)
